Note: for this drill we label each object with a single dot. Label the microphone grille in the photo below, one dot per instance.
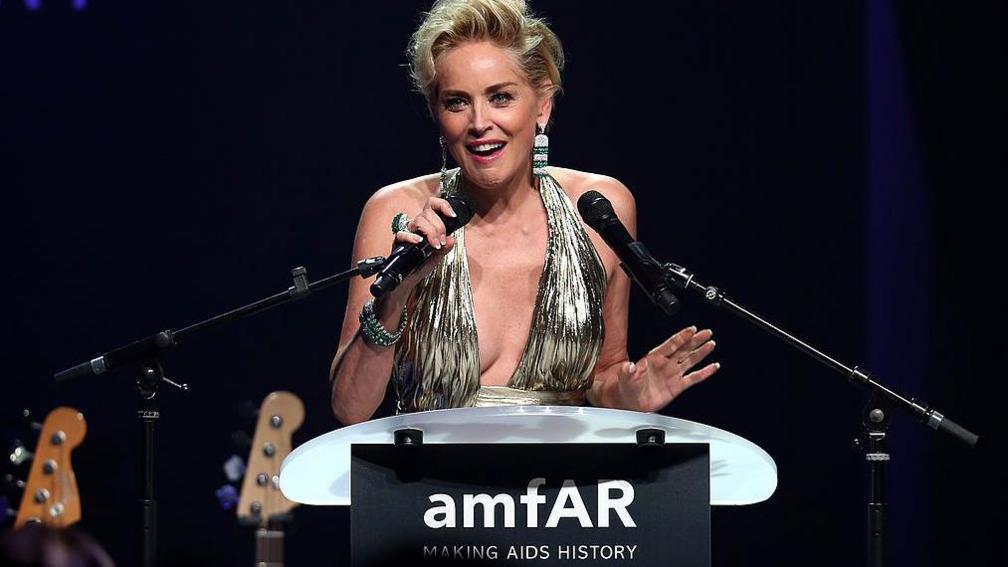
(594, 207)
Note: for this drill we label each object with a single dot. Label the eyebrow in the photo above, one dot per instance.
(490, 89)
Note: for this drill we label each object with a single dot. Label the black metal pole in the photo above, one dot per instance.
(877, 515)
(144, 353)
(147, 386)
(876, 425)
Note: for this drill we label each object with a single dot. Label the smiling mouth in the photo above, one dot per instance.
(486, 150)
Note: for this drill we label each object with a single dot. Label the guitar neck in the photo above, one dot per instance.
(269, 547)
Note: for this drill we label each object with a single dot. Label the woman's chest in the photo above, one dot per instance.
(505, 281)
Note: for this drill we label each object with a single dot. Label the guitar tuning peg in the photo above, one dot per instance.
(18, 453)
(227, 496)
(241, 439)
(14, 482)
(234, 468)
(248, 410)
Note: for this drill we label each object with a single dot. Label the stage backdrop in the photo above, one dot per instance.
(828, 164)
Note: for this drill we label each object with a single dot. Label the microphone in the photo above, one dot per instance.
(406, 258)
(635, 259)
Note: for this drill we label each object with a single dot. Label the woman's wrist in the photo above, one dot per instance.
(612, 392)
(601, 393)
(378, 333)
(388, 308)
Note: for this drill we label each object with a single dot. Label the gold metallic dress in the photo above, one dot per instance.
(437, 361)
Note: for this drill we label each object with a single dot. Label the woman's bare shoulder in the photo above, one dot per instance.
(576, 183)
(407, 196)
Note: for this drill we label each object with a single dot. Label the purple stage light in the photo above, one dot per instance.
(35, 5)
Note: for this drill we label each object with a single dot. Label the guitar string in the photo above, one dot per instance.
(62, 472)
(53, 494)
(272, 499)
(276, 543)
(53, 485)
(274, 471)
(269, 491)
(265, 541)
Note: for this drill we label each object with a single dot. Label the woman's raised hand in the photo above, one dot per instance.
(664, 373)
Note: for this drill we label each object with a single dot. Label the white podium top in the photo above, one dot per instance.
(318, 472)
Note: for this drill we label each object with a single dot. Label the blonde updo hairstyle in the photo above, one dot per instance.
(506, 23)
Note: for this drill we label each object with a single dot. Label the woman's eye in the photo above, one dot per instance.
(501, 98)
(454, 103)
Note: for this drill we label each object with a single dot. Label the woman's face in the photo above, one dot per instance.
(487, 112)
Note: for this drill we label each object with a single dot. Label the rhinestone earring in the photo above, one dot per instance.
(540, 151)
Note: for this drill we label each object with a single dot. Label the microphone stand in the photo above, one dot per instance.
(875, 419)
(144, 354)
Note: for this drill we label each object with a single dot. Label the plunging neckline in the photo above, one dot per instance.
(438, 363)
(537, 302)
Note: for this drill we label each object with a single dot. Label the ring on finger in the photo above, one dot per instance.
(400, 223)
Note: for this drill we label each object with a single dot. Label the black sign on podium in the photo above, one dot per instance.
(588, 504)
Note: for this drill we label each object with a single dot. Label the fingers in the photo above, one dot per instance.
(404, 237)
(429, 223)
(441, 206)
(696, 355)
(681, 352)
(433, 230)
(674, 343)
(699, 339)
(704, 373)
(683, 342)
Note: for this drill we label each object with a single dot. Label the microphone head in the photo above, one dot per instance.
(463, 212)
(594, 208)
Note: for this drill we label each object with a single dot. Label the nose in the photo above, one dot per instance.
(480, 120)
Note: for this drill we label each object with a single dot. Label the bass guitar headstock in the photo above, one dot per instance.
(50, 493)
(261, 500)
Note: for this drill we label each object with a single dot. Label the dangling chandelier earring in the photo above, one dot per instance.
(540, 151)
(444, 166)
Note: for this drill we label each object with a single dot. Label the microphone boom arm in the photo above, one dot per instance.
(150, 347)
(684, 279)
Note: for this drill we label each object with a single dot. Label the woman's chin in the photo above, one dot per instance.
(487, 177)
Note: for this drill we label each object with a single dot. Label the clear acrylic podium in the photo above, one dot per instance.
(318, 472)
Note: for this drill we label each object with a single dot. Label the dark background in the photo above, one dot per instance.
(835, 166)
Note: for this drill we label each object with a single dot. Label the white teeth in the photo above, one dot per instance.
(486, 147)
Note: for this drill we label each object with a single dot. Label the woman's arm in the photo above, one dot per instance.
(360, 371)
(660, 376)
(613, 353)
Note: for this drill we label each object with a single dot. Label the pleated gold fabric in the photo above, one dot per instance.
(489, 396)
(437, 363)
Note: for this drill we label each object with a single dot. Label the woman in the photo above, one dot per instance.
(487, 320)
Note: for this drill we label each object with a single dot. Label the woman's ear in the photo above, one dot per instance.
(545, 108)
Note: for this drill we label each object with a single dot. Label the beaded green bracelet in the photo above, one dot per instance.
(374, 332)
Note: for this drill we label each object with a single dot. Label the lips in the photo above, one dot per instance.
(485, 150)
